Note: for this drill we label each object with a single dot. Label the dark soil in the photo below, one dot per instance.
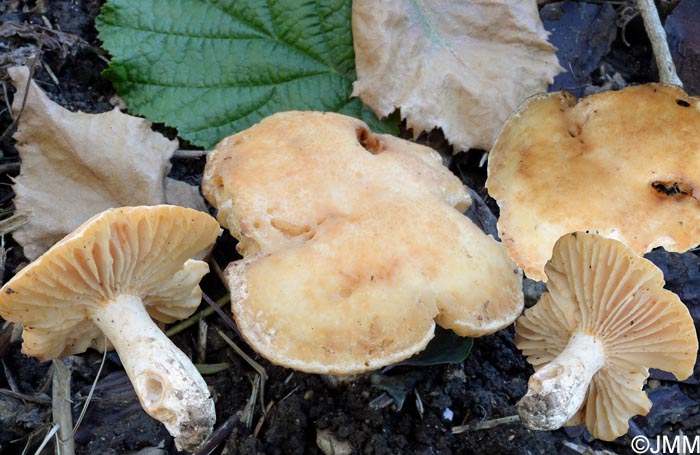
(307, 412)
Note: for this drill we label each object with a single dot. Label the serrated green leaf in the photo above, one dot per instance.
(212, 68)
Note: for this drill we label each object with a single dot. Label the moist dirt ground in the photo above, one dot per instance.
(402, 410)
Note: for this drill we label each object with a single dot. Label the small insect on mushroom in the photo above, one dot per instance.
(604, 321)
(110, 276)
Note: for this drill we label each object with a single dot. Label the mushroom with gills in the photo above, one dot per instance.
(604, 321)
(610, 163)
(354, 245)
(111, 276)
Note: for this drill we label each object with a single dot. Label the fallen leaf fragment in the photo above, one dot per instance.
(75, 165)
(459, 66)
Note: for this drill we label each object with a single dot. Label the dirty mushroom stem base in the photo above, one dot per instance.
(167, 383)
(557, 390)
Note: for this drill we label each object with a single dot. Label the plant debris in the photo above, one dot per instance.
(101, 160)
(459, 66)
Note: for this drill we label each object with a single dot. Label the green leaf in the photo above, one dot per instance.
(445, 347)
(211, 368)
(213, 68)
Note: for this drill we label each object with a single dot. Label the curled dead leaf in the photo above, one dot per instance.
(75, 165)
(459, 66)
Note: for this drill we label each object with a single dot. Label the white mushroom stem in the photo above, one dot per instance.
(557, 390)
(168, 385)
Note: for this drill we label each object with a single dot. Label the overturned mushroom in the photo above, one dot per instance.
(610, 163)
(353, 249)
(604, 321)
(111, 275)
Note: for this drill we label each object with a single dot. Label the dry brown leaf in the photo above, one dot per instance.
(459, 66)
(75, 165)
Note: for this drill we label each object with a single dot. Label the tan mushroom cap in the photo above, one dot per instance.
(601, 288)
(142, 251)
(624, 164)
(366, 292)
(277, 180)
(352, 246)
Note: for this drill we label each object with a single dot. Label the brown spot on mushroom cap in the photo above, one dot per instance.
(352, 246)
(141, 251)
(599, 287)
(624, 164)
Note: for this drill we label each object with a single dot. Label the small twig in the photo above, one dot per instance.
(61, 408)
(14, 222)
(219, 273)
(47, 438)
(261, 420)
(192, 320)
(32, 68)
(7, 100)
(22, 396)
(227, 319)
(256, 366)
(9, 377)
(193, 154)
(381, 402)
(92, 389)
(249, 409)
(51, 74)
(3, 257)
(419, 404)
(6, 168)
(485, 425)
(218, 436)
(202, 331)
(659, 44)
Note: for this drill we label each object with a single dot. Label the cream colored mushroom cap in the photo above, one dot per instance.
(598, 286)
(623, 164)
(142, 251)
(352, 246)
(277, 180)
(366, 291)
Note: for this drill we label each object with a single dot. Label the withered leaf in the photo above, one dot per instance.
(459, 66)
(75, 165)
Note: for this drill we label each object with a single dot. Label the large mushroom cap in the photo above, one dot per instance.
(352, 245)
(624, 164)
(277, 180)
(142, 251)
(600, 288)
(366, 292)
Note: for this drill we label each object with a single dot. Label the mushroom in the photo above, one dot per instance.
(110, 276)
(610, 163)
(353, 249)
(604, 321)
